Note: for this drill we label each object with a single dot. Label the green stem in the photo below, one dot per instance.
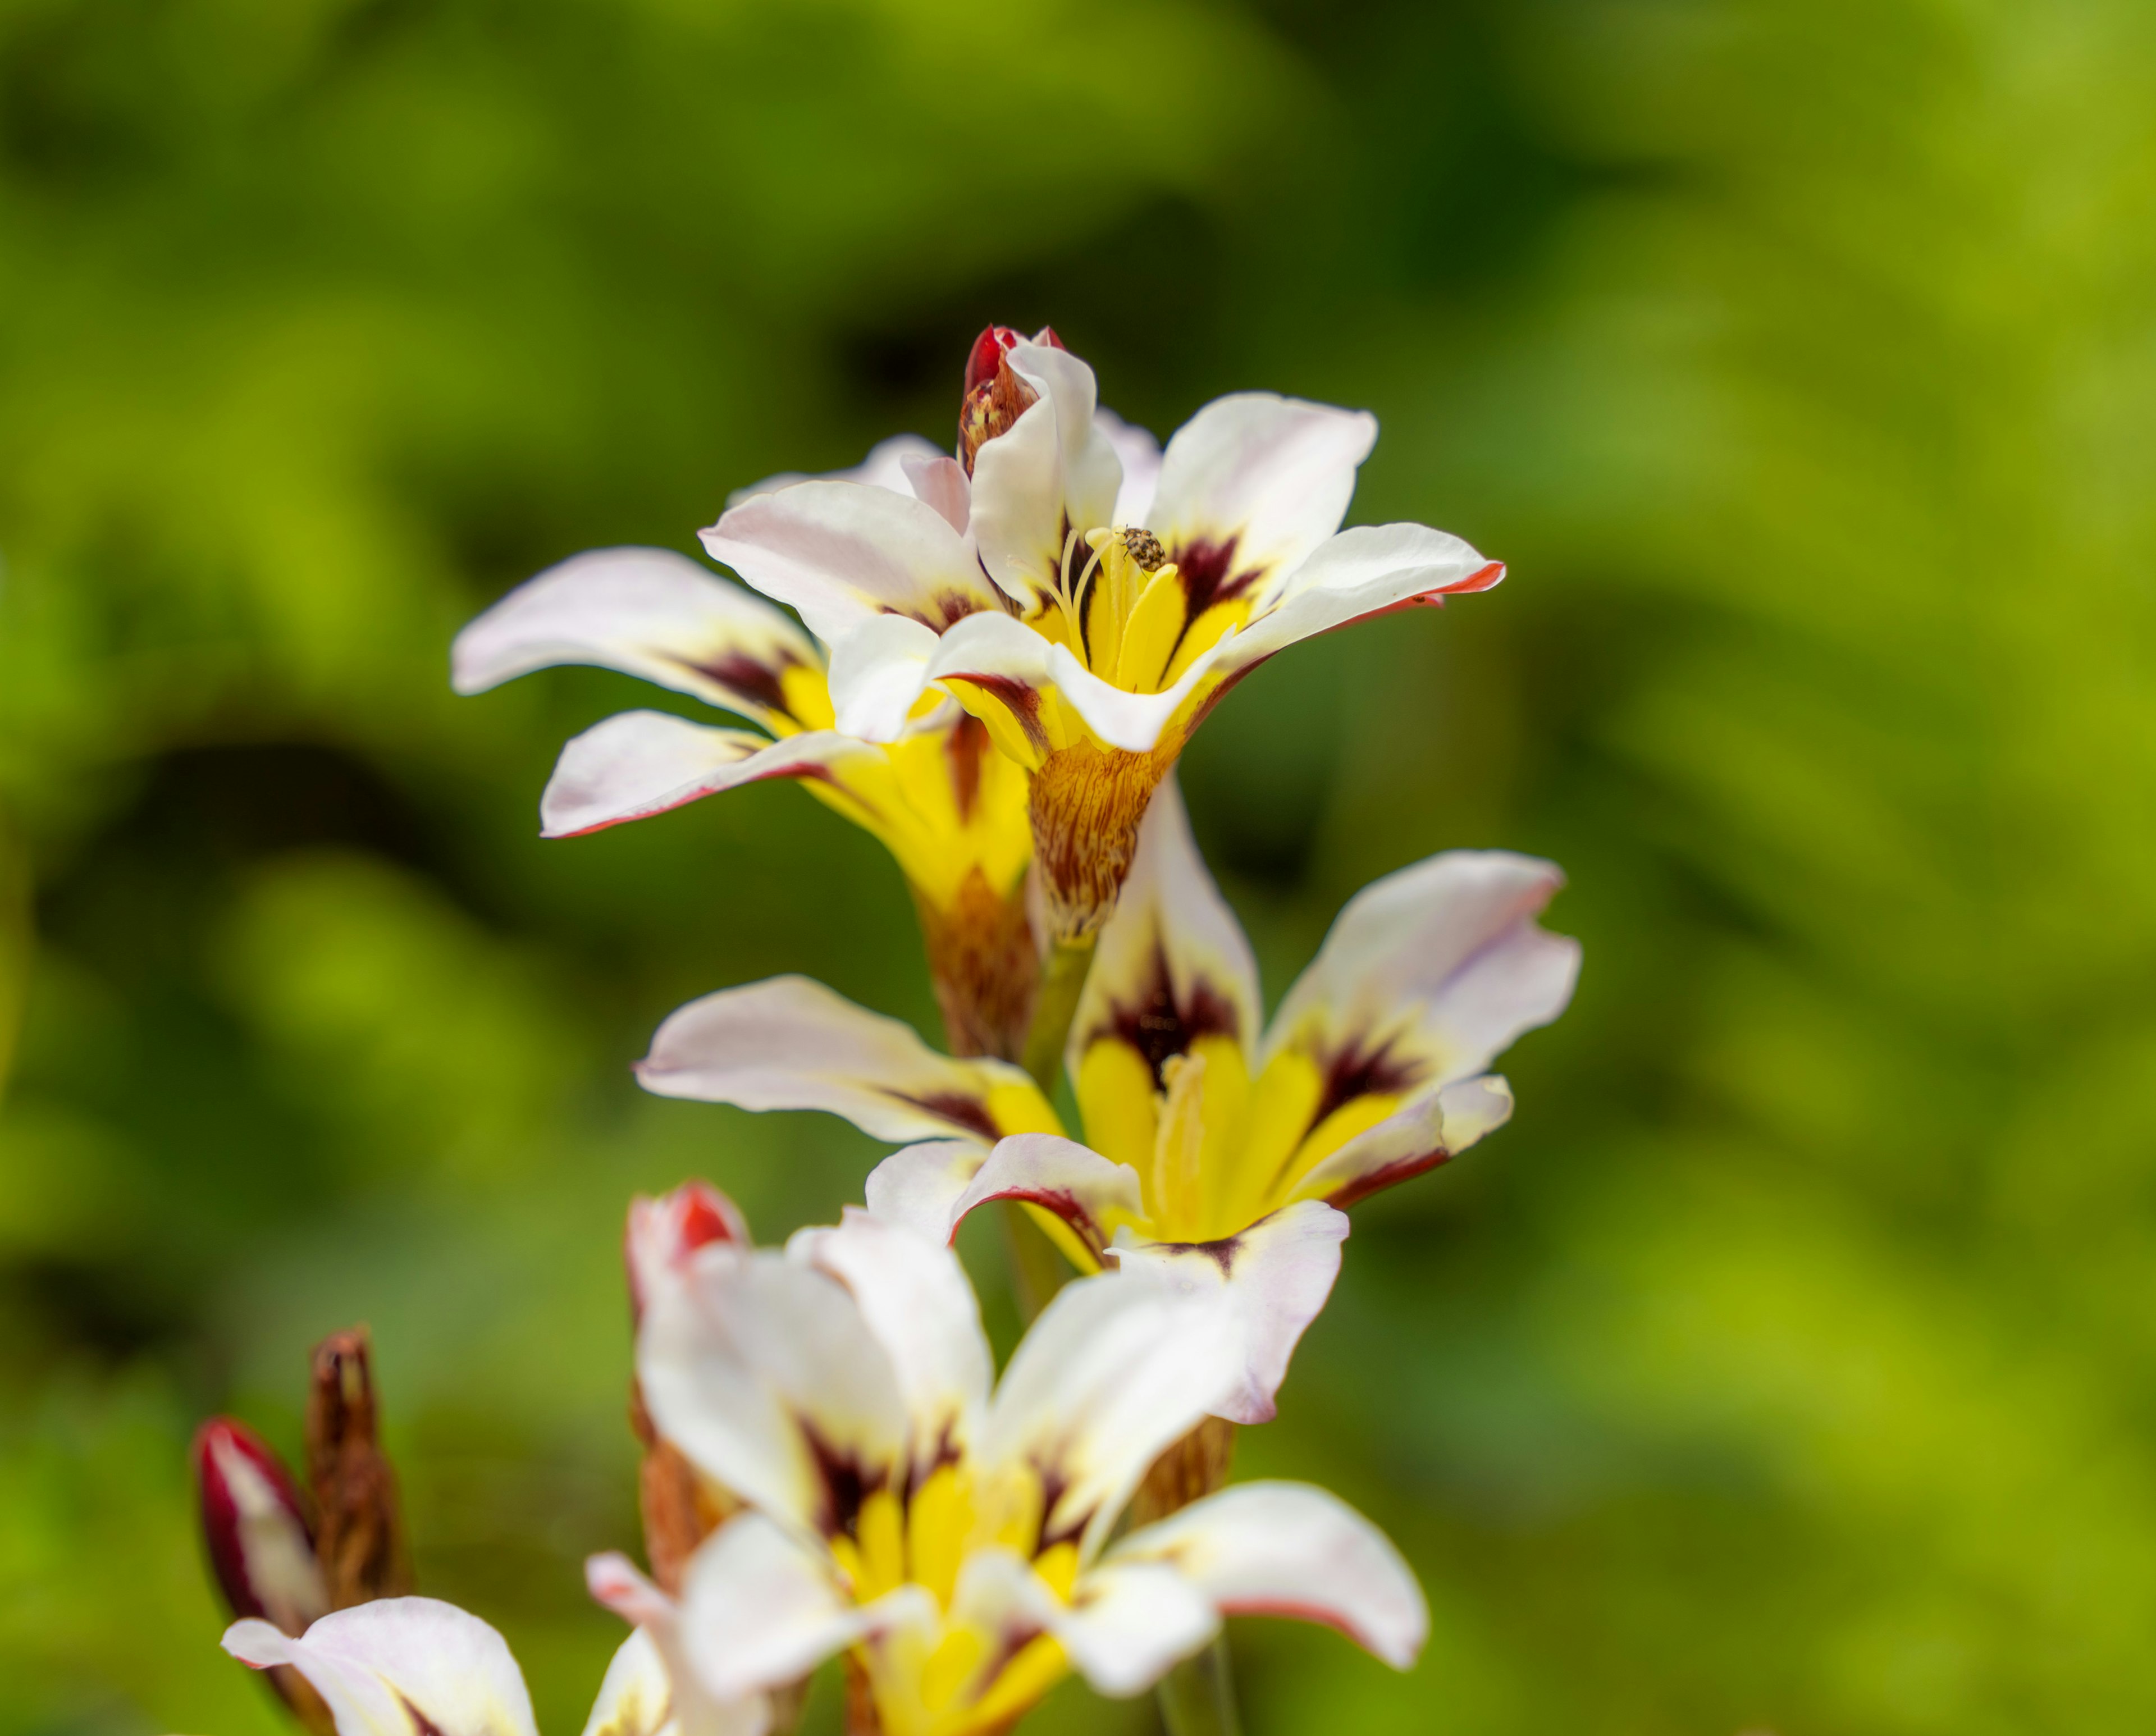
(1038, 1267)
(1198, 1696)
(1055, 1004)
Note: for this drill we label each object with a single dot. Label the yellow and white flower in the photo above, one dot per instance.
(1088, 611)
(1214, 1156)
(956, 1539)
(949, 808)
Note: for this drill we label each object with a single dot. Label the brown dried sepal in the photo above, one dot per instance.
(359, 1527)
(1192, 1468)
(680, 1508)
(1086, 802)
(989, 409)
(984, 964)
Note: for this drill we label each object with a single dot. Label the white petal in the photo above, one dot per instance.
(1276, 1275)
(1273, 475)
(1362, 571)
(692, 1709)
(839, 552)
(917, 1301)
(1289, 1549)
(1438, 967)
(1092, 1196)
(792, 1043)
(1130, 1623)
(919, 1187)
(1052, 471)
(647, 611)
(1132, 722)
(1114, 1369)
(886, 466)
(763, 1373)
(639, 763)
(373, 1661)
(879, 670)
(1173, 963)
(761, 1607)
(1433, 1127)
(1139, 454)
(637, 1697)
(941, 479)
(1013, 660)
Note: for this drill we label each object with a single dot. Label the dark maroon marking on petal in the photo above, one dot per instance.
(847, 1483)
(1399, 1169)
(1157, 1027)
(1356, 1072)
(952, 607)
(1053, 1485)
(1223, 1253)
(970, 1113)
(751, 678)
(422, 1725)
(1024, 703)
(947, 1453)
(967, 742)
(1203, 567)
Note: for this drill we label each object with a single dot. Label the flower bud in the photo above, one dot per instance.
(680, 1508)
(663, 1233)
(360, 1538)
(261, 1548)
(995, 396)
(254, 1522)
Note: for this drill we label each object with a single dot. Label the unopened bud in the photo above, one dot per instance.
(261, 1548)
(663, 1233)
(680, 1508)
(254, 1522)
(995, 396)
(360, 1534)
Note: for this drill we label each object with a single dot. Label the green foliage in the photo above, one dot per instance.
(1785, 1365)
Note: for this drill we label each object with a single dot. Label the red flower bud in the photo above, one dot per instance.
(663, 1234)
(994, 397)
(254, 1522)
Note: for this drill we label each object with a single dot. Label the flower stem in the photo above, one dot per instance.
(1197, 1697)
(1062, 980)
(1038, 1269)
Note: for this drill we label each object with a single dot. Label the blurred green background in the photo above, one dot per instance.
(1789, 1364)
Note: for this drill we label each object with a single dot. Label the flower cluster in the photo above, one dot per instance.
(998, 653)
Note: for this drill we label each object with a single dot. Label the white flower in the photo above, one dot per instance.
(1089, 619)
(414, 1664)
(1215, 1157)
(956, 1539)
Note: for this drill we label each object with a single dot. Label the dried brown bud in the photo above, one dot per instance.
(995, 396)
(360, 1530)
(1191, 1469)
